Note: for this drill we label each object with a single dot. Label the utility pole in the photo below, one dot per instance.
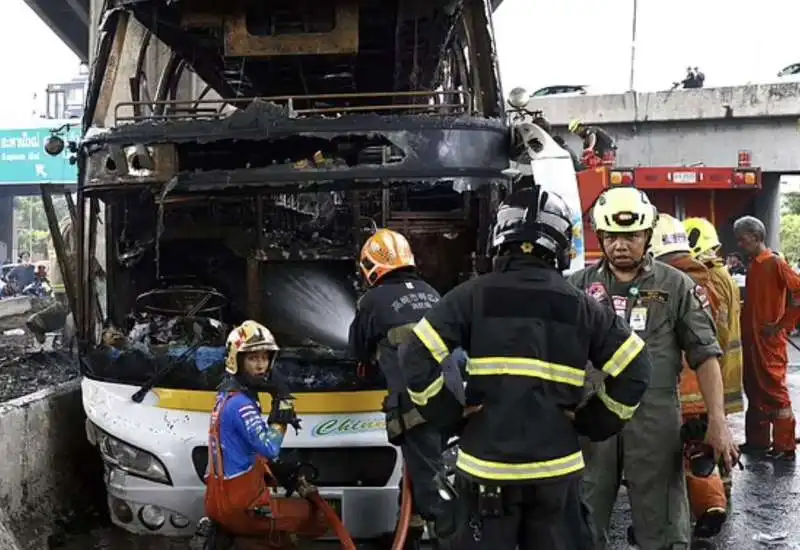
(631, 85)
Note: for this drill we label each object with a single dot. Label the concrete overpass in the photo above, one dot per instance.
(709, 125)
(69, 19)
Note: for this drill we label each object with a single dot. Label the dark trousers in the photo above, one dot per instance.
(547, 516)
(422, 449)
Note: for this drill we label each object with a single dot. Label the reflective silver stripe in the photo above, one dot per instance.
(624, 355)
(421, 398)
(523, 366)
(624, 412)
(431, 339)
(485, 469)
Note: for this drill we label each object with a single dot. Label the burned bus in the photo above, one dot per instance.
(235, 157)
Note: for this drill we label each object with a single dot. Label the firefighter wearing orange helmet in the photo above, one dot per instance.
(396, 300)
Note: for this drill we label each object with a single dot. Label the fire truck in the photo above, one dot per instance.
(719, 194)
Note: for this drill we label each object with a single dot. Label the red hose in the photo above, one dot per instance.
(333, 520)
(406, 504)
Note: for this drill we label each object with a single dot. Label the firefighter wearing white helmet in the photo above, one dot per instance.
(667, 309)
(669, 237)
(242, 447)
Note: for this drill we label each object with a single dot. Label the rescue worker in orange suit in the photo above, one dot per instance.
(243, 461)
(768, 315)
(707, 498)
(663, 306)
(385, 315)
(705, 245)
(599, 148)
(528, 335)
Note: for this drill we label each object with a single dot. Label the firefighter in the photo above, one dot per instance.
(771, 286)
(243, 450)
(598, 146)
(396, 300)
(528, 335)
(707, 499)
(665, 307)
(705, 246)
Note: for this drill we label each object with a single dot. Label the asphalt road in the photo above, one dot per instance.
(765, 509)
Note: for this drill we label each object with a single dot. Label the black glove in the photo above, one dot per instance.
(282, 412)
(596, 422)
(286, 474)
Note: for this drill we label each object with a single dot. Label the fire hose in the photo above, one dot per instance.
(310, 492)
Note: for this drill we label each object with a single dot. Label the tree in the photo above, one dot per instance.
(30, 224)
(791, 203)
(790, 237)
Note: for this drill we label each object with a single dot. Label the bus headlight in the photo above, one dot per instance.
(131, 459)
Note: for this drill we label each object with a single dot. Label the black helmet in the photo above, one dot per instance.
(540, 219)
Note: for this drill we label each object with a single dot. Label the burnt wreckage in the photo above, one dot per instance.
(240, 179)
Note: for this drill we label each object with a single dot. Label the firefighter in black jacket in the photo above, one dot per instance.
(528, 335)
(384, 320)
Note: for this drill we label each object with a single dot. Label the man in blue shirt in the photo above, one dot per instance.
(243, 449)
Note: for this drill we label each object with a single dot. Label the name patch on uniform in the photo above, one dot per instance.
(597, 291)
(620, 305)
(654, 296)
(701, 295)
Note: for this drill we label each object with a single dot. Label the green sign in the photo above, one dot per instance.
(24, 161)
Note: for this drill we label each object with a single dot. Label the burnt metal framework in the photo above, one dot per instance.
(397, 118)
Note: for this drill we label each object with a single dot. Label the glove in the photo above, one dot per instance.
(596, 422)
(282, 412)
(286, 474)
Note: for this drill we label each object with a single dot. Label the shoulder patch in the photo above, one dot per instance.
(597, 291)
(702, 296)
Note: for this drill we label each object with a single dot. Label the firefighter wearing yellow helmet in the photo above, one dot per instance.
(705, 244)
(598, 145)
(396, 300)
(243, 447)
(667, 309)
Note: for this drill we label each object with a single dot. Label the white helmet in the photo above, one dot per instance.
(669, 236)
(623, 210)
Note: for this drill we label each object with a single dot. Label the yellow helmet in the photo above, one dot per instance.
(623, 210)
(702, 235)
(248, 337)
(384, 252)
(574, 126)
(669, 236)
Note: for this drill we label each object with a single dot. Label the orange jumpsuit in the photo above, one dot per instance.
(244, 505)
(770, 286)
(705, 493)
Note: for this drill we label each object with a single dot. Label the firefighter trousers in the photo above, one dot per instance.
(548, 515)
(649, 451)
(422, 448)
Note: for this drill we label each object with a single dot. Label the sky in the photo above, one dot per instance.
(540, 43)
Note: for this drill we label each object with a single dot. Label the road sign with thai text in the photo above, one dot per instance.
(23, 159)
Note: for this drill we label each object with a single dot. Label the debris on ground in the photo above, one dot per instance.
(23, 371)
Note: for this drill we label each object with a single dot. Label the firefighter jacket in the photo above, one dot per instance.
(729, 333)
(665, 307)
(528, 335)
(384, 319)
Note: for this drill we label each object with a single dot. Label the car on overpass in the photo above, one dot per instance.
(562, 90)
(790, 73)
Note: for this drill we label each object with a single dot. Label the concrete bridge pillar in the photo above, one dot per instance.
(7, 227)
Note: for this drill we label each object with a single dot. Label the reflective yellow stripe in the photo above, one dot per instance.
(421, 398)
(625, 412)
(500, 471)
(523, 366)
(431, 339)
(624, 355)
(733, 345)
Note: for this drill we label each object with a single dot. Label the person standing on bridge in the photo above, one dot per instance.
(769, 312)
(705, 245)
(664, 306)
(707, 498)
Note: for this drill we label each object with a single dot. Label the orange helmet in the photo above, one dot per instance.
(384, 252)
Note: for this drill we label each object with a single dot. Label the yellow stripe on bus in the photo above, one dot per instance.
(305, 403)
